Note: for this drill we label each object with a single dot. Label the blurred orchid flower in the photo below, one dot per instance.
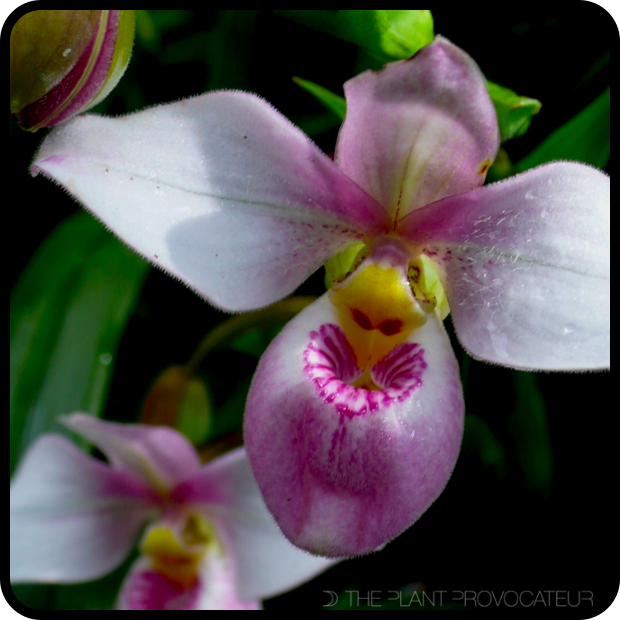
(211, 543)
(66, 62)
(355, 415)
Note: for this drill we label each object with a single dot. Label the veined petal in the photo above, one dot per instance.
(527, 264)
(146, 589)
(73, 518)
(220, 190)
(159, 456)
(345, 469)
(419, 129)
(266, 562)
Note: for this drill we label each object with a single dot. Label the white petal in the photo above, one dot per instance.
(527, 264)
(220, 190)
(73, 518)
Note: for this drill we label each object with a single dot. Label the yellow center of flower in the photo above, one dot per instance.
(384, 296)
(377, 310)
(177, 552)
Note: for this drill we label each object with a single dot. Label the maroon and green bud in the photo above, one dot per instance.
(65, 62)
(180, 400)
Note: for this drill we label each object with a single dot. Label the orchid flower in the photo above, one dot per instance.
(355, 414)
(210, 544)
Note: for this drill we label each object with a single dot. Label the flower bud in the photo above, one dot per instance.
(65, 62)
(179, 400)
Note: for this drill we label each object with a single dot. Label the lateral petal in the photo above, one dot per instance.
(527, 265)
(419, 129)
(72, 518)
(344, 469)
(266, 563)
(220, 191)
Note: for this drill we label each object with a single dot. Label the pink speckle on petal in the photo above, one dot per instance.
(330, 364)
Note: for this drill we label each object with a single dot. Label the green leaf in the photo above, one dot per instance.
(530, 430)
(228, 49)
(194, 417)
(479, 438)
(33, 595)
(330, 100)
(151, 25)
(387, 35)
(255, 341)
(68, 311)
(313, 125)
(514, 113)
(585, 138)
(229, 415)
(320, 20)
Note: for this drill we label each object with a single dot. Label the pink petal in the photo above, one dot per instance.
(157, 455)
(146, 589)
(342, 469)
(266, 562)
(419, 129)
(220, 190)
(73, 518)
(527, 263)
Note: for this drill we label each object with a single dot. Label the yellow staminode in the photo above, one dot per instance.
(377, 310)
(425, 280)
(177, 556)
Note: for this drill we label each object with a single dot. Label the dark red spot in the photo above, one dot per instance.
(390, 327)
(414, 273)
(361, 319)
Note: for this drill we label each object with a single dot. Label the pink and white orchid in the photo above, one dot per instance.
(210, 543)
(355, 415)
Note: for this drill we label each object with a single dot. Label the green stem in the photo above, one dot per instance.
(236, 326)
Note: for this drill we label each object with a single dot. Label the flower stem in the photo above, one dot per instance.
(229, 330)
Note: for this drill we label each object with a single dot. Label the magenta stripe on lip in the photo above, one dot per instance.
(330, 364)
(150, 590)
